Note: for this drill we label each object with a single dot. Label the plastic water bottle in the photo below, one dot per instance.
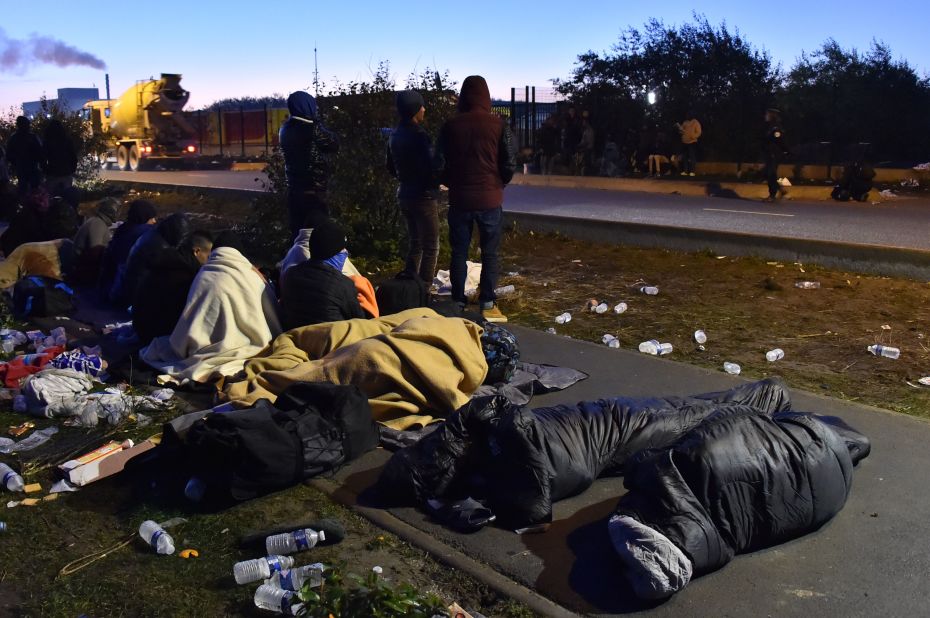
(292, 542)
(610, 341)
(807, 285)
(294, 579)
(655, 348)
(2, 526)
(883, 350)
(260, 568)
(774, 355)
(601, 308)
(10, 479)
(564, 318)
(550, 330)
(620, 308)
(649, 290)
(505, 290)
(700, 337)
(155, 535)
(732, 368)
(277, 600)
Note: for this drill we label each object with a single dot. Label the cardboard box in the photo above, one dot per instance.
(105, 461)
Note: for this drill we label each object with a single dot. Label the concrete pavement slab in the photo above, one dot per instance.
(872, 559)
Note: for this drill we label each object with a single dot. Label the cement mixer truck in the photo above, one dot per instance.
(145, 125)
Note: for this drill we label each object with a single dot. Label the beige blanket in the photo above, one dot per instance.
(413, 366)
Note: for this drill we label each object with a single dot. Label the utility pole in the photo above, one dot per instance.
(316, 73)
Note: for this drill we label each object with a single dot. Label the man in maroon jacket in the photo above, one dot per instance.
(475, 158)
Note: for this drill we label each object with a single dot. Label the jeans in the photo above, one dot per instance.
(490, 230)
(771, 175)
(423, 232)
(690, 158)
(299, 206)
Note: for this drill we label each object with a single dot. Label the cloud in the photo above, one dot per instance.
(17, 55)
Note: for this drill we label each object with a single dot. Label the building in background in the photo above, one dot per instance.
(69, 99)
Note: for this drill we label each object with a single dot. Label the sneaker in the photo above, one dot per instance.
(493, 314)
(684, 174)
(692, 174)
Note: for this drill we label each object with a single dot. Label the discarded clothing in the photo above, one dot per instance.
(33, 258)
(111, 405)
(231, 315)
(413, 365)
(26, 365)
(530, 379)
(50, 389)
(91, 364)
(472, 278)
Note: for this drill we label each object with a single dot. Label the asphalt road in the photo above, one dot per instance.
(903, 223)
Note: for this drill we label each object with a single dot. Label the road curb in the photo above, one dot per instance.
(447, 555)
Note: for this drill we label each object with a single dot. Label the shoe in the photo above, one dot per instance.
(493, 314)
(684, 174)
(692, 174)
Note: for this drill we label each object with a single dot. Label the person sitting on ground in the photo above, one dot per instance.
(300, 251)
(92, 239)
(162, 292)
(167, 236)
(316, 291)
(52, 258)
(230, 315)
(140, 218)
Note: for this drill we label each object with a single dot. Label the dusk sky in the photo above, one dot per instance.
(252, 48)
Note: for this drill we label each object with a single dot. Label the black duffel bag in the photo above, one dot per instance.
(405, 291)
(312, 428)
(42, 297)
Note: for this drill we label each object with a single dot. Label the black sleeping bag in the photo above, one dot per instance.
(524, 460)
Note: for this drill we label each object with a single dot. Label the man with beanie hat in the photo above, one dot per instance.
(409, 159)
(475, 158)
(92, 239)
(316, 291)
(306, 145)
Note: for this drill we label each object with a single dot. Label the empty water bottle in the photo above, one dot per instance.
(700, 337)
(505, 290)
(155, 535)
(774, 355)
(601, 308)
(260, 568)
(294, 579)
(277, 600)
(807, 285)
(610, 341)
(10, 479)
(649, 290)
(655, 348)
(732, 368)
(291, 542)
(884, 350)
(620, 308)
(564, 318)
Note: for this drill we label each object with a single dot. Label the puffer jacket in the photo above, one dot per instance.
(315, 292)
(306, 144)
(475, 155)
(165, 238)
(409, 159)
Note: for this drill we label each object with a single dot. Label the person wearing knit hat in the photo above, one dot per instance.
(139, 219)
(316, 291)
(95, 231)
(409, 159)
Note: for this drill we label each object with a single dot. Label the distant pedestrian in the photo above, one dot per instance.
(60, 158)
(610, 160)
(409, 159)
(584, 156)
(547, 142)
(571, 135)
(306, 144)
(476, 159)
(690, 131)
(24, 155)
(774, 151)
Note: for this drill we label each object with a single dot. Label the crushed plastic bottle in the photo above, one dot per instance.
(10, 479)
(260, 568)
(550, 330)
(884, 350)
(649, 290)
(732, 368)
(774, 355)
(700, 337)
(564, 318)
(807, 285)
(155, 536)
(277, 600)
(610, 341)
(620, 308)
(294, 579)
(505, 290)
(655, 348)
(601, 308)
(293, 542)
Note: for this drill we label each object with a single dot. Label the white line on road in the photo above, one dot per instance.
(750, 212)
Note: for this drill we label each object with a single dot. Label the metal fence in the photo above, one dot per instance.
(526, 111)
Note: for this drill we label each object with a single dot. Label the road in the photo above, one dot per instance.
(903, 223)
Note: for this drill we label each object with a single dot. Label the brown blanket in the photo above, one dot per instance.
(413, 365)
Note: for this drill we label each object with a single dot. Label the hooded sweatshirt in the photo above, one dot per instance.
(475, 155)
(305, 143)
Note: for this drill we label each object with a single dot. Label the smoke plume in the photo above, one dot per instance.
(17, 55)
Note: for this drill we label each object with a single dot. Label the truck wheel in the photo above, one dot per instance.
(135, 161)
(122, 158)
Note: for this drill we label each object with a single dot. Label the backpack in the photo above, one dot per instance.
(403, 292)
(246, 453)
(42, 297)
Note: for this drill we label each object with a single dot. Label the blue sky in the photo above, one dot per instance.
(253, 48)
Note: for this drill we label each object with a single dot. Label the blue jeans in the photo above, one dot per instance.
(490, 230)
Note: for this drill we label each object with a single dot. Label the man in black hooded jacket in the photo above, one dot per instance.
(306, 144)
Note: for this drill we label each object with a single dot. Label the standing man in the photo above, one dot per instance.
(61, 158)
(775, 150)
(24, 155)
(690, 131)
(548, 138)
(475, 158)
(306, 144)
(410, 161)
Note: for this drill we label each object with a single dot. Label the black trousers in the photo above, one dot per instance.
(771, 175)
(299, 206)
(423, 233)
